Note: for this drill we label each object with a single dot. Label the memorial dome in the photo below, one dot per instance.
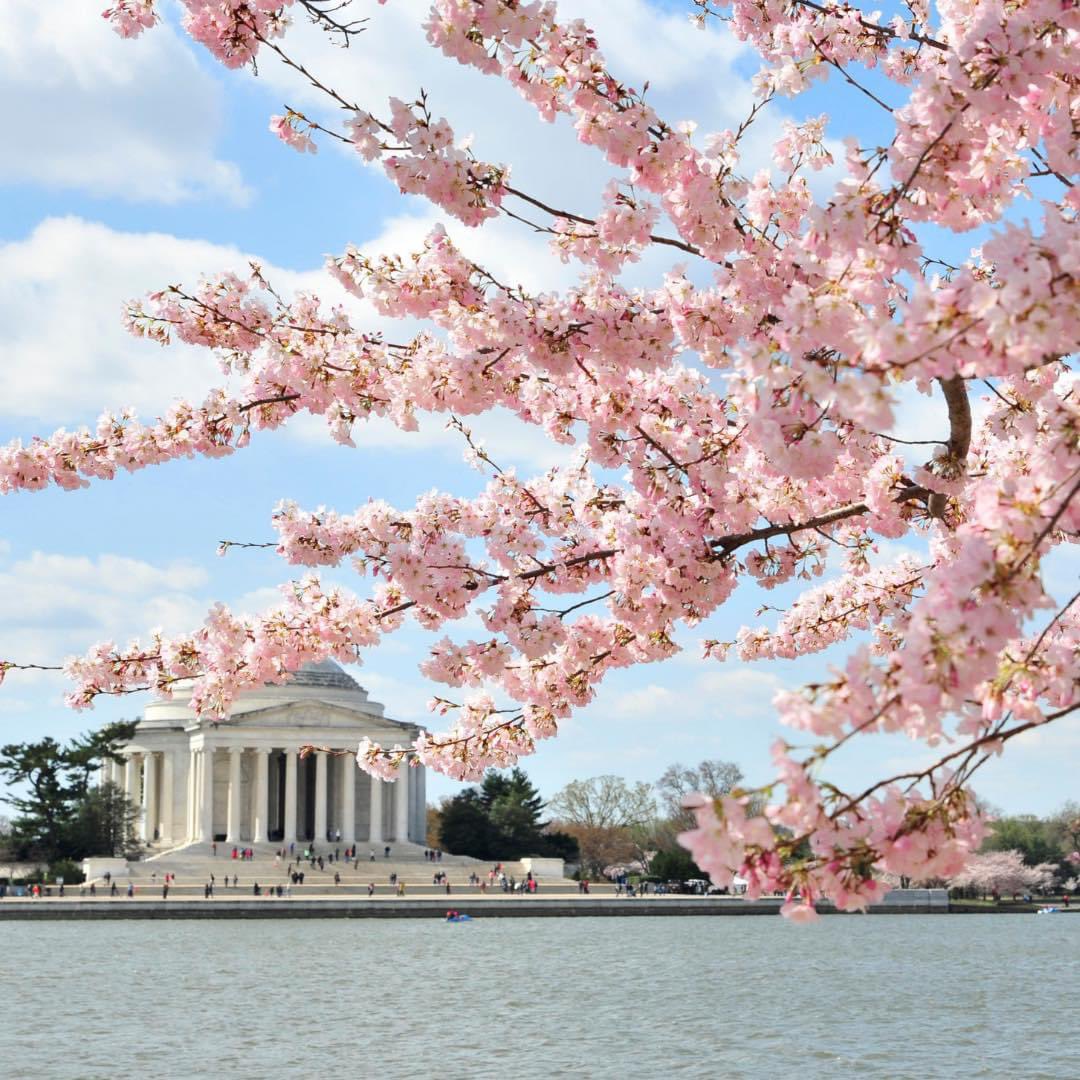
(325, 673)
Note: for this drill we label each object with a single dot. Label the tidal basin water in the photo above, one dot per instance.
(884, 996)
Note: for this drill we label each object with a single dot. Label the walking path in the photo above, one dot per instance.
(479, 907)
(321, 905)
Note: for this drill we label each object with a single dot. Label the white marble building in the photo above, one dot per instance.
(242, 780)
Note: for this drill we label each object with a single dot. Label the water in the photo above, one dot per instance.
(885, 996)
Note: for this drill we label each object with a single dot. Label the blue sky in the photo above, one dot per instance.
(130, 165)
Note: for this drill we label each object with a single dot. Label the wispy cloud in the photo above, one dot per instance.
(90, 112)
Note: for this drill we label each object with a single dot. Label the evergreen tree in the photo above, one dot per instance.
(103, 823)
(43, 810)
(675, 864)
(60, 813)
(464, 828)
(502, 819)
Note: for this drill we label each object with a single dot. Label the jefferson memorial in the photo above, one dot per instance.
(242, 779)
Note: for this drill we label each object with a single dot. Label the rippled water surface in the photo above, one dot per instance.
(885, 996)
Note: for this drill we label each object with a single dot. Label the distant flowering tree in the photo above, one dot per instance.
(1003, 872)
(743, 403)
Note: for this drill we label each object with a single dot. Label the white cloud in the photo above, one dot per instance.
(68, 356)
(89, 111)
(56, 605)
(67, 353)
(737, 693)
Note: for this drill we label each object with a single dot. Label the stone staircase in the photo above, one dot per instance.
(194, 864)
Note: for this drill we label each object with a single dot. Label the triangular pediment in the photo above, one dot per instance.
(317, 714)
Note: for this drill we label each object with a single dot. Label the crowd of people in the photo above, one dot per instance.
(296, 863)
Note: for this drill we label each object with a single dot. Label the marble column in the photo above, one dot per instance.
(260, 807)
(168, 783)
(133, 790)
(232, 828)
(401, 804)
(130, 783)
(348, 799)
(192, 832)
(375, 834)
(290, 795)
(320, 796)
(206, 795)
(420, 786)
(149, 797)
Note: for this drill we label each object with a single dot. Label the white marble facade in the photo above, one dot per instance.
(242, 781)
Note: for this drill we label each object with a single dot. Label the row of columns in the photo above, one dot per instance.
(137, 777)
(139, 780)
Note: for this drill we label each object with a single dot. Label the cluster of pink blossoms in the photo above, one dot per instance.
(131, 17)
(232, 30)
(745, 407)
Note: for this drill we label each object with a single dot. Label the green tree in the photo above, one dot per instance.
(464, 827)
(103, 823)
(55, 799)
(514, 809)
(1031, 836)
(675, 864)
(502, 819)
(42, 812)
(1065, 827)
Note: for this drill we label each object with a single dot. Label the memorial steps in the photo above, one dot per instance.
(193, 864)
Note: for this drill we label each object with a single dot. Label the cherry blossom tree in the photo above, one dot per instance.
(734, 422)
(1003, 872)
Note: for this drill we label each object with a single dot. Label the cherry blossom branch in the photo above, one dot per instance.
(1046, 530)
(321, 12)
(848, 77)
(866, 24)
(10, 665)
(690, 249)
(224, 545)
(728, 544)
(956, 398)
(994, 738)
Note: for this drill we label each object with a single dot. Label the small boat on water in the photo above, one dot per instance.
(457, 916)
(1048, 910)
